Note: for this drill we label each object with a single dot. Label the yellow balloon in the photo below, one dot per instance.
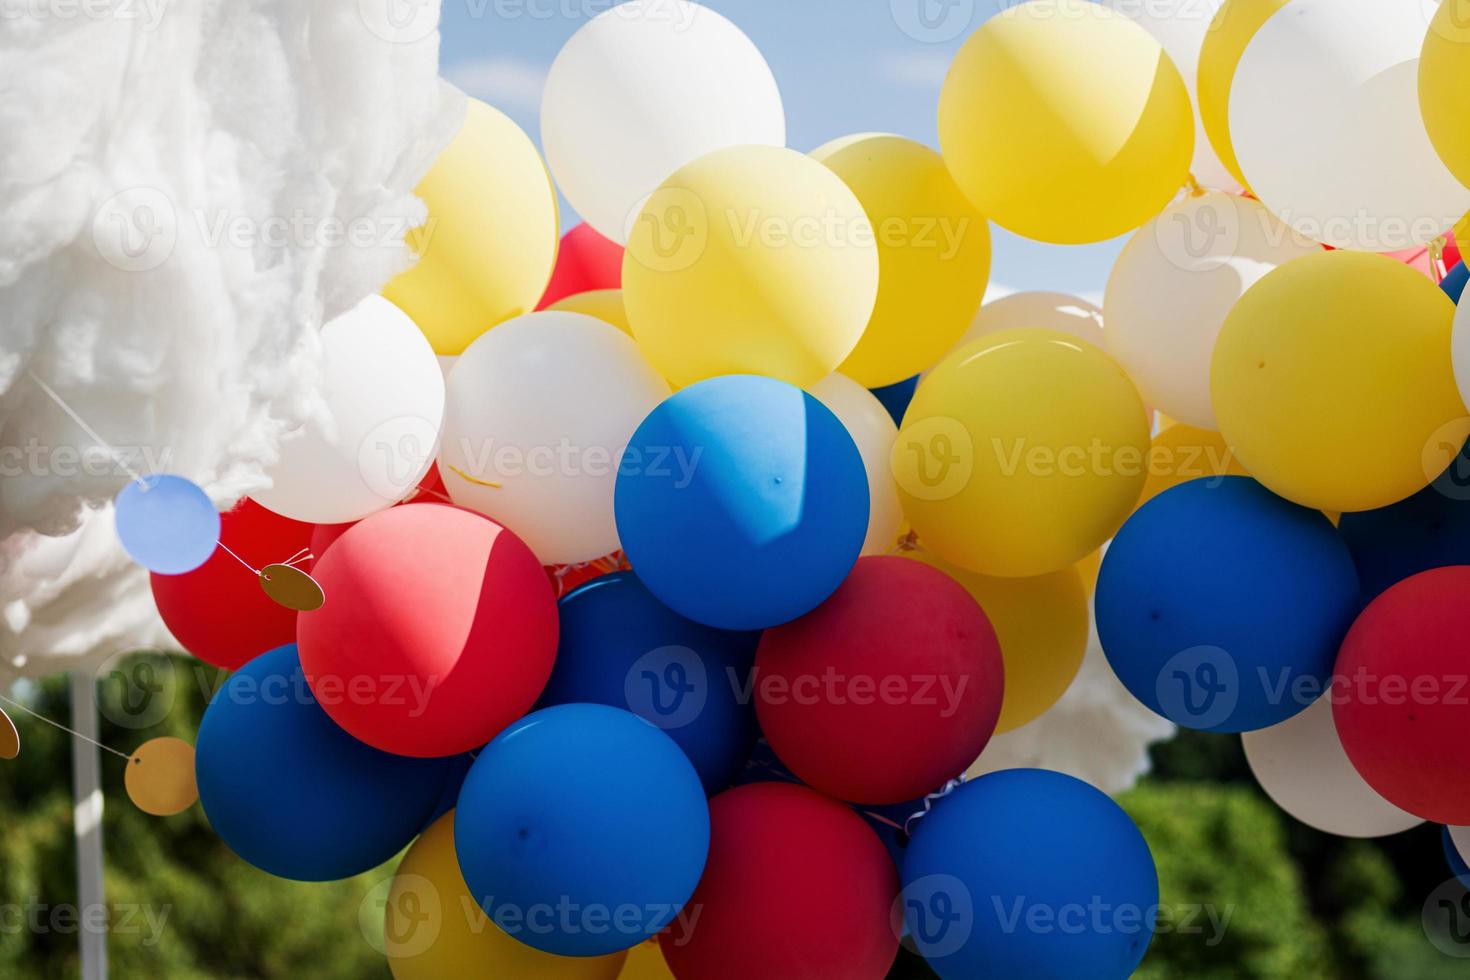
(1235, 23)
(1064, 121)
(604, 304)
(1088, 569)
(1181, 453)
(488, 247)
(1444, 78)
(433, 929)
(1021, 452)
(646, 962)
(750, 260)
(933, 254)
(1042, 626)
(1332, 380)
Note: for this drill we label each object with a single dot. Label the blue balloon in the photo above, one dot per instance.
(1454, 281)
(292, 793)
(582, 830)
(1029, 873)
(456, 768)
(1221, 606)
(1452, 856)
(620, 646)
(742, 502)
(896, 397)
(1431, 529)
(166, 524)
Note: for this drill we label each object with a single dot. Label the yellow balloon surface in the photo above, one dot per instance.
(1332, 381)
(1021, 453)
(604, 304)
(646, 962)
(750, 260)
(1235, 23)
(1088, 568)
(1444, 78)
(1064, 121)
(489, 245)
(433, 929)
(1181, 453)
(933, 254)
(1042, 626)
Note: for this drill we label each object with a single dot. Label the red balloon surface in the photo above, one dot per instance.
(439, 630)
(430, 488)
(886, 690)
(218, 612)
(796, 886)
(1400, 697)
(584, 261)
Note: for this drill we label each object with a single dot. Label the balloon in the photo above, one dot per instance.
(1444, 72)
(1040, 845)
(582, 830)
(1454, 282)
(1454, 840)
(604, 304)
(646, 962)
(166, 523)
(1051, 311)
(489, 245)
(434, 928)
(537, 416)
(1173, 285)
(641, 90)
(1221, 606)
(1181, 26)
(1065, 122)
(1399, 696)
(1180, 453)
(873, 431)
(1235, 23)
(742, 502)
(441, 630)
(753, 259)
(1021, 453)
(619, 646)
(585, 262)
(797, 886)
(1330, 380)
(896, 398)
(884, 691)
(1460, 349)
(1324, 121)
(1042, 626)
(218, 612)
(385, 395)
(1431, 529)
(1300, 763)
(292, 793)
(933, 254)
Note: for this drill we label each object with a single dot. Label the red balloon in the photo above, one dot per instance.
(439, 630)
(796, 887)
(431, 487)
(218, 612)
(584, 261)
(1400, 697)
(886, 690)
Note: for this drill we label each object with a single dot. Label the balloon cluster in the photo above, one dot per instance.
(638, 617)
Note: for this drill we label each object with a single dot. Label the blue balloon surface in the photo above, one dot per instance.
(620, 646)
(292, 793)
(896, 397)
(166, 524)
(742, 502)
(1029, 873)
(1431, 529)
(1221, 606)
(582, 830)
(1454, 281)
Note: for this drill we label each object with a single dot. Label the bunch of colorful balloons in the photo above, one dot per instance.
(633, 614)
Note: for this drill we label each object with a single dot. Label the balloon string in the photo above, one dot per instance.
(37, 714)
(255, 571)
(303, 555)
(75, 417)
(931, 799)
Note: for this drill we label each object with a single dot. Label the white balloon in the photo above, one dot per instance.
(1302, 765)
(1460, 346)
(642, 89)
(1173, 285)
(1180, 26)
(872, 428)
(1460, 837)
(542, 407)
(1054, 311)
(384, 396)
(1324, 117)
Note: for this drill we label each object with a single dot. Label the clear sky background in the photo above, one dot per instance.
(844, 66)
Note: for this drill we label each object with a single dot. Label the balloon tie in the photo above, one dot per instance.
(69, 731)
(1193, 186)
(117, 457)
(907, 542)
(475, 480)
(1436, 259)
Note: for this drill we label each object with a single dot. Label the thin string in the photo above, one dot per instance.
(77, 734)
(242, 561)
(117, 456)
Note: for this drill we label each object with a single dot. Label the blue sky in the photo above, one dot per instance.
(844, 66)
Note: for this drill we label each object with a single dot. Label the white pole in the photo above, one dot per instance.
(86, 769)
